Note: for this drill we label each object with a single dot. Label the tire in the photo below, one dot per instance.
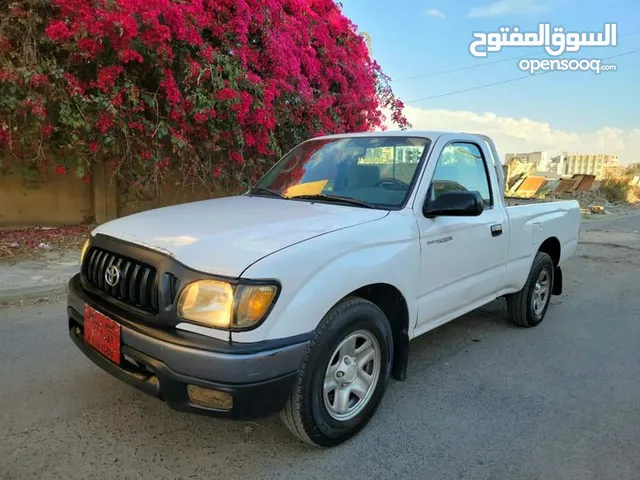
(526, 307)
(312, 414)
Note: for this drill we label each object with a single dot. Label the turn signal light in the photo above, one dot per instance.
(209, 398)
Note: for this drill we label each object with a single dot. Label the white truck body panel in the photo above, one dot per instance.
(443, 266)
(226, 235)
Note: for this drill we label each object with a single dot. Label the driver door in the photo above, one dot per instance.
(463, 258)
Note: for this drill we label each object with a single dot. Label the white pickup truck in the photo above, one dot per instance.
(301, 295)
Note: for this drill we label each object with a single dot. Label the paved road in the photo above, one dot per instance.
(484, 400)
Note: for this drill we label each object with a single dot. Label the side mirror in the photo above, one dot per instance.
(454, 204)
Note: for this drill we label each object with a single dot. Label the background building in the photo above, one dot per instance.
(569, 164)
(544, 165)
(541, 159)
(585, 163)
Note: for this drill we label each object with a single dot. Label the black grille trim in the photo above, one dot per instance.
(138, 284)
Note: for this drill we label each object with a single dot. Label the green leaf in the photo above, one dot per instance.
(162, 130)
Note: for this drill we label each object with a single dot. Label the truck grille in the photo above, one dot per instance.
(137, 284)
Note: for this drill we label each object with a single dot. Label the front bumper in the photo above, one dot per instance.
(259, 377)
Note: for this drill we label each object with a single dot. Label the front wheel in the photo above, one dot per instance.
(343, 376)
(528, 307)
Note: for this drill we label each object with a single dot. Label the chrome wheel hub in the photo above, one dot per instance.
(541, 292)
(352, 375)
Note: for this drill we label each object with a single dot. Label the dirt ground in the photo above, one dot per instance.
(34, 243)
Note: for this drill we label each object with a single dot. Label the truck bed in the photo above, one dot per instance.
(515, 201)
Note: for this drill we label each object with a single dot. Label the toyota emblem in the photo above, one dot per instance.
(112, 275)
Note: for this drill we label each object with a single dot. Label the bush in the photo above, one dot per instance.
(215, 89)
(615, 189)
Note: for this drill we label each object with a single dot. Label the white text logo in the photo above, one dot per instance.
(555, 43)
(563, 65)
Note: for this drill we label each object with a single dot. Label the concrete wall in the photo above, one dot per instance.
(173, 192)
(50, 199)
(53, 199)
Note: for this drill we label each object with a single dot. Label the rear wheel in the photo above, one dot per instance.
(528, 307)
(343, 376)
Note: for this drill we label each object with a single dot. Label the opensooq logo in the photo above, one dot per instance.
(555, 43)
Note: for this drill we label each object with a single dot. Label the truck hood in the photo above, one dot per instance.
(225, 235)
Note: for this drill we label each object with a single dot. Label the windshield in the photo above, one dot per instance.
(378, 171)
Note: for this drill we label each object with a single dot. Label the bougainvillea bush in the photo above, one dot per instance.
(214, 89)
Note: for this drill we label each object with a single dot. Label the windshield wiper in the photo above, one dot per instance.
(336, 199)
(261, 190)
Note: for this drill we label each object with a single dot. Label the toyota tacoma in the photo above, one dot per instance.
(301, 295)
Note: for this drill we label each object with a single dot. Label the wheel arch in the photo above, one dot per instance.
(552, 247)
(392, 302)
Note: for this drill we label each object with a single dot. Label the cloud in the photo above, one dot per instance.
(501, 8)
(513, 135)
(434, 12)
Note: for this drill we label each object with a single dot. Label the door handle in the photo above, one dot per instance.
(496, 230)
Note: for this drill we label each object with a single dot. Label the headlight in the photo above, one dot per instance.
(219, 304)
(84, 250)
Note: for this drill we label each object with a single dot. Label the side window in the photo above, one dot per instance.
(461, 167)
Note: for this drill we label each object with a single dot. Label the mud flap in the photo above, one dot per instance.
(557, 281)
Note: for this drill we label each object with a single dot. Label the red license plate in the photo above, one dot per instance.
(102, 333)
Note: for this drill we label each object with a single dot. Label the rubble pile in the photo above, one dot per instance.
(516, 173)
(522, 182)
(594, 202)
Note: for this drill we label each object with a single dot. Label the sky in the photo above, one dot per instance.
(415, 41)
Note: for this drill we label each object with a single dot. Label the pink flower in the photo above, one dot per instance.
(207, 53)
(226, 94)
(249, 140)
(8, 76)
(107, 77)
(38, 80)
(136, 126)
(163, 164)
(90, 47)
(39, 111)
(170, 88)
(58, 30)
(5, 136)
(5, 45)
(117, 100)
(74, 85)
(236, 157)
(129, 55)
(200, 117)
(253, 65)
(105, 122)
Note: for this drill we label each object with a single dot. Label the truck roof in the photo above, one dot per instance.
(433, 134)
